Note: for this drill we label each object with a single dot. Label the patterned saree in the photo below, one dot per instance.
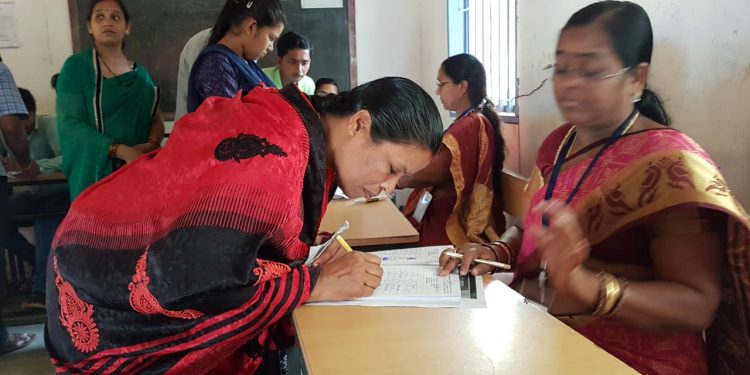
(641, 176)
(474, 214)
(189, 260)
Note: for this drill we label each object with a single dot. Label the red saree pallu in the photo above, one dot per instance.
(640, 177)
(474, 214)
(189, 259)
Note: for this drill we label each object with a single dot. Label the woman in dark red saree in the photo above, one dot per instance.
(464, 178)
(197, 270)
(644, 247)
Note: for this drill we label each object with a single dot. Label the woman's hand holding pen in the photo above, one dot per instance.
(562, 246)
(334, 251)
(470, 252)
(352, 275)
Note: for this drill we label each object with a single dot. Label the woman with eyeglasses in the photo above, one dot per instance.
(457, 196)
(244, 32)
(107, 106)
(634, 231)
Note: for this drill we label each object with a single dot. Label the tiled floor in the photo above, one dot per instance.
(32, 359)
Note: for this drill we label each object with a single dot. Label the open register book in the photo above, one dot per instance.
(410, 279)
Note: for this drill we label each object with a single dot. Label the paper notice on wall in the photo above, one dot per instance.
(8, 26)
(308, 4)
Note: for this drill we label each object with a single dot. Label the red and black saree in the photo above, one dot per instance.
(189, 259)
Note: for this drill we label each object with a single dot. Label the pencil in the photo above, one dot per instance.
(480, 261)
(344, 244)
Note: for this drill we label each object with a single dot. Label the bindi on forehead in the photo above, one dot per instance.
(108, 10)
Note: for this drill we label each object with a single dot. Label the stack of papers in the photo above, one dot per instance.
(410, 279)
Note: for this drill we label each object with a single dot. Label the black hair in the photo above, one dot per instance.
(53, 81)
(265, 12)
(28, 99)
(629, 29)
(465, 67)
(291, 40)
(325, 81)
(401, 111)
(120, 3)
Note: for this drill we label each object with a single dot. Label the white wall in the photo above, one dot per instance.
(44, 30)
(406, 38)
(701, 67)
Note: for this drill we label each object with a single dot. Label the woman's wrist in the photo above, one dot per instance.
(502, 247)
(112, 153)
(153, 142)
(497, 258)
(586, 287)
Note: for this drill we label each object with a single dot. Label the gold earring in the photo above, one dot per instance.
(350, 133)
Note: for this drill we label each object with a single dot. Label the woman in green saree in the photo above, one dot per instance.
(107, 106)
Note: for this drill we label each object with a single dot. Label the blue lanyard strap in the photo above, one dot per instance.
(466, 113)
(564, 153)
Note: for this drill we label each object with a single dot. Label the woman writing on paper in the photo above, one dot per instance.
(463, 181)
(632, 223)
(198, 270)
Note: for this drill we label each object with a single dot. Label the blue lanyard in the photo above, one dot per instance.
(466, 113)
(564, 153)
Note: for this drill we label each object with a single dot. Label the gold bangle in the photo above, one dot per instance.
(609, 294)
(113, 150)
(621, 297)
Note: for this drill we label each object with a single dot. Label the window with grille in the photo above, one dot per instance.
(487, 30)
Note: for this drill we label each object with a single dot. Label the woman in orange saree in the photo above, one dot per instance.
(633, 230)
(463, 180)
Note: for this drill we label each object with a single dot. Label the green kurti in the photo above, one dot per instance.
(93, 113)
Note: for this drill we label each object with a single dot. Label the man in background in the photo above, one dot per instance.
(326, 86)
(42, 206)
(295, 54)
(12, 111)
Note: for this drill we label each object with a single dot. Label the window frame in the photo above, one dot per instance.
(459, 35)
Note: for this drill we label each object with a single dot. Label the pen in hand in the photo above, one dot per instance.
(456, 255)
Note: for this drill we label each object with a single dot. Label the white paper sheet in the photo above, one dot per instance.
(406, 282)
(428, 255)
(410, 280)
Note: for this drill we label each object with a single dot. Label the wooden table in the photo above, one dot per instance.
(370, 224)
(508, 337)
(40, 179)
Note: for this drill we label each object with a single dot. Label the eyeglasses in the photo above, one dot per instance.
(442, 83)
(558, 72)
